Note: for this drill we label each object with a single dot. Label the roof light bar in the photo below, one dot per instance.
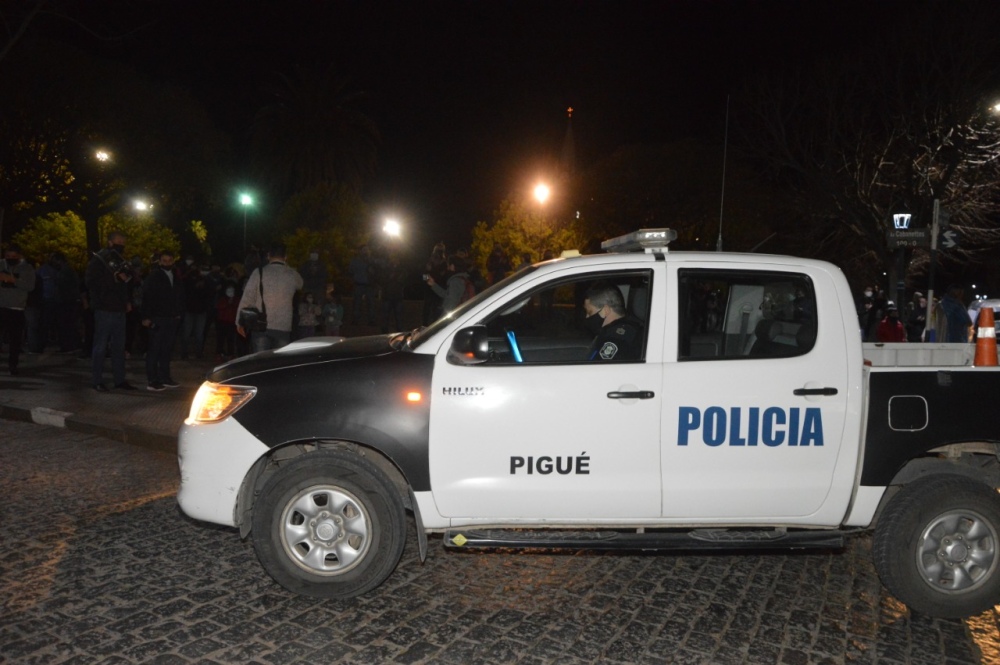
(647, 240)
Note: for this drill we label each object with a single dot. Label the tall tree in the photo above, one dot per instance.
(891, 127)
(62, 104)
(312, 133)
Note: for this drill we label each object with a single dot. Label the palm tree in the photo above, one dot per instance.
(311, 134)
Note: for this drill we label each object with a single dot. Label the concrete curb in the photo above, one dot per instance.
(136, 436)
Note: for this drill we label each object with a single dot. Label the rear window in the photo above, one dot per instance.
(737, 314)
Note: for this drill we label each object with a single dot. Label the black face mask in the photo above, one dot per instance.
(119, 248)
(594, 323)
(167, 268)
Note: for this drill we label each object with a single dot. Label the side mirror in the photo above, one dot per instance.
(470, 346)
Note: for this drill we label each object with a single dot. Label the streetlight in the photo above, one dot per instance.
(91, 208)
(246, 201)
(141, 205)
(392, 228)
(542, 192)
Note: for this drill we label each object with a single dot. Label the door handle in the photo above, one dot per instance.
(815, 391)
(638, 394)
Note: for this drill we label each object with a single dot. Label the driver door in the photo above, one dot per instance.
(539, 430)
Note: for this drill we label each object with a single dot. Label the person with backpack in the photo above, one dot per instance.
(459, 287)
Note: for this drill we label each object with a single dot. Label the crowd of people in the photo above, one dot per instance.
(881, 319)
(168, 306)
(159, 308)
(122, 308)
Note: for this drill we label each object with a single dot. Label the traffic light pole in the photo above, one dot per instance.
(929, 331)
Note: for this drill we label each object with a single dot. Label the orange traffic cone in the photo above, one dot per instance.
(986, 340)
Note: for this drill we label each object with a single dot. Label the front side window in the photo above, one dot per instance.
(597, 317)
(730, 314)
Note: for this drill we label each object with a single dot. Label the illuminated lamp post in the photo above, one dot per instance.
(392, 228)
(542, 192)
(246, 201)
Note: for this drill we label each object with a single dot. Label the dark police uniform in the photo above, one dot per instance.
(619, 340)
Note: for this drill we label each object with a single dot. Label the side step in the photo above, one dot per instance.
(698, 539)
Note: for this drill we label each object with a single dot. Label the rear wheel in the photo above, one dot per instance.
(329, 524)
(937, 546)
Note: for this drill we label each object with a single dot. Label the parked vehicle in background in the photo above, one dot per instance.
(977, 305)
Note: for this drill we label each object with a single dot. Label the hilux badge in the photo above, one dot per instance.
(464, 391)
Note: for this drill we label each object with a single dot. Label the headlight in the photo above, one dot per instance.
(215, 401)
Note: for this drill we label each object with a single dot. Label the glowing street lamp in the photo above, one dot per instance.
(246, 201)
(392, 228)
(542, 192)
(102, 155)
(141, 205)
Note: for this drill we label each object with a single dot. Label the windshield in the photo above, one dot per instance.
(418, 337)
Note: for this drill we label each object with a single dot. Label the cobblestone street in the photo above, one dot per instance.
(98, 565)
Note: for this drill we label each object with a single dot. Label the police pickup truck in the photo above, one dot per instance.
(745, 417)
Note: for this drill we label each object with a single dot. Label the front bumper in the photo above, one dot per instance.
(214, 459)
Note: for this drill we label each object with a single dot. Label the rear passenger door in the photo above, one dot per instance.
(755, 394)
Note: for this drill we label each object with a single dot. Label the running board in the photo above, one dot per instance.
(698, 539)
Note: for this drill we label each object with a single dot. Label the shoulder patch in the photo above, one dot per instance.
(609, 350)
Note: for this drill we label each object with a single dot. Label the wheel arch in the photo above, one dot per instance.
(264, 467)
(976, 460)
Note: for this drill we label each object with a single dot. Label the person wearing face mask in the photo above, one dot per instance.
(107, 278)
(162, 308)
(617, 336)
(891, 329)
(17, 279)
(226, 310)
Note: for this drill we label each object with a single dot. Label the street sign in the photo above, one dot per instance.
(948, 239)
(908, 238)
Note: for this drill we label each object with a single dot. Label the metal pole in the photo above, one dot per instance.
(722, 197)
(244, 229)
(929, 333)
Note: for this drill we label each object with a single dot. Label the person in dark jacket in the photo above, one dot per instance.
(162, 308)
(107, 280)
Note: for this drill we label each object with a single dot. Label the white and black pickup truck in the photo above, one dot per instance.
(725, 403)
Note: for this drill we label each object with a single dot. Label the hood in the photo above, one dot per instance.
(304, 352)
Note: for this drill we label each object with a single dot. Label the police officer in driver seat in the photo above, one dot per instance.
(618, 336)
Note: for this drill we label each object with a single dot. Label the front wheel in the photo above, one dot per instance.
(937, 546)
(329, 524)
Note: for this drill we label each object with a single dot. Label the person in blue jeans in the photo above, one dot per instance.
(107, 278)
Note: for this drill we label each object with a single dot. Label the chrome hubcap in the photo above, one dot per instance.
(325, 530)
(957, 551)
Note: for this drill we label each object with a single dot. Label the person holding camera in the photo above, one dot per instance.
(17, 279)
(271, 290)
(107, 277)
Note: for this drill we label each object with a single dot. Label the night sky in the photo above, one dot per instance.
(471, 97)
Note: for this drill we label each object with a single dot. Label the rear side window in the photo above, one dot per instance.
(735, 314)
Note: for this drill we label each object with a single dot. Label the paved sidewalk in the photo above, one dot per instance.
(55, 389)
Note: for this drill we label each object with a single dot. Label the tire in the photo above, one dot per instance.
(937, 546)
(329, 524)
